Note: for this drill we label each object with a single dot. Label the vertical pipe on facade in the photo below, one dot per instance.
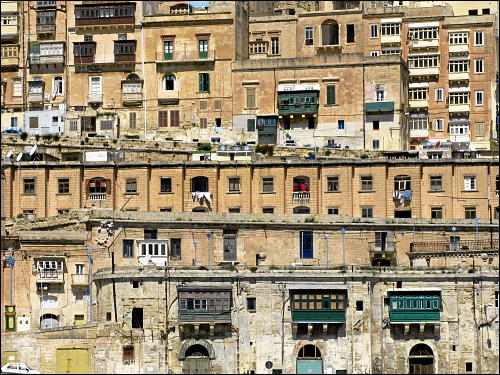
(144, 76)
(26, 55)
(363, 109)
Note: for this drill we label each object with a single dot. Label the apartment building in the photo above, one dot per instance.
(360, 188)
(13, 66)
(243, 290)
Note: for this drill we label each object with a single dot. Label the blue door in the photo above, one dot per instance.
(309, 366)
(306, 245)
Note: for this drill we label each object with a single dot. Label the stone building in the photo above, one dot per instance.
(378, 188)
(373, 296)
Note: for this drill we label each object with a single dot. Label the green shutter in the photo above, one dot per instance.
(330, 94)
(250, 125)
(200, 75)
(207, 86)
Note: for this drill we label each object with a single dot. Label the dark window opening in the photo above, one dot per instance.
(229, 244)
(350, 33)
(376, 125)
(135, 284)
(330, 33)
(128, 248)
(200, 184)
(306, 244)
(402, 214)
(128, 355)
(301, 210)
(251, 303)
(311, 122)
(175, 249)
(165, 185)
(359, 305)
(137, 318)
(309, 351)
(268, 210)
(473, 12)
(108, 316)
(150, 234)
(399, 284)
(468, 366)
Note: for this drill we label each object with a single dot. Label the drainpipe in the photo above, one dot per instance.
(145, 100)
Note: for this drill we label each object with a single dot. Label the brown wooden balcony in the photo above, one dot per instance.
(456, 246)
(119, 16)
(125, 58)
(45, 4)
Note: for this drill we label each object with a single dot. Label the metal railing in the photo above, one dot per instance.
(186, 55)
(469, 245)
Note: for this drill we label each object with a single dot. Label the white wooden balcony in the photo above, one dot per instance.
(155, 251)
(301, 197)
(95, 98)
(98, 196)
(458, 48)
(459, 108)
(462, 76)
(49, 276)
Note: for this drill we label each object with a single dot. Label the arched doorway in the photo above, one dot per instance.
(421, 360)
(49, 321)
(309, 360)
(196, 355)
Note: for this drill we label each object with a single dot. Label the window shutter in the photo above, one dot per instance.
(207, 85)
(251, 125)
(330, 94)
(200, 88)
(162, 118)
(174, 118)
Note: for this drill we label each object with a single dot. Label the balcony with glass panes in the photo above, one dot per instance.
(390, 33)
(458, 42)
(319, 306)
(424, 65)
(423, 37)
(204, 305)
(458, 102)
(418, 97)
(458, 69)
(414, 306)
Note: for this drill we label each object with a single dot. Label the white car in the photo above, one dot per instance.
(18, 368)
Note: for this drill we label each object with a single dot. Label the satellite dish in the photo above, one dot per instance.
(9, 154)
(33, 149)
(19, 156)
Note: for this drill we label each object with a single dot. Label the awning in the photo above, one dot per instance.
(417, 85)
(459, 89)
(423, 24)
(313, 286)
(391, 20)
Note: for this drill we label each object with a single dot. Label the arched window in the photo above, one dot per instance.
(301, 183)
(49, 321)
(200, 184)
(402, 182)
(169, 82)
(330, 33)
(98, 185)
(197, 351)
(421, 360)
(301, 210)
(133, 77)
(309, 351)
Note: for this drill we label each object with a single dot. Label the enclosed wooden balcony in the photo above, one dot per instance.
(45, 29)
(117, 16)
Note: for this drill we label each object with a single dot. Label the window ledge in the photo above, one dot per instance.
(331, 105)
(233, 192)
(250, 108)
(332, 192)
(29, 194)
(435, 191)
(130, 193)
(63, 193)
(366, 191)
(268, 192)
(470, 191)
(166, 192)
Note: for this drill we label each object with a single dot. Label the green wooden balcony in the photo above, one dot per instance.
(379, 107)
(318, 316)
(415, 307)
(292, 103)
(321, 306)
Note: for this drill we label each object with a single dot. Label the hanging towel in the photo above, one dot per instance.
(407, 194)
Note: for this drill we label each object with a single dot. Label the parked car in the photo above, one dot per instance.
(14, 130)
(290, 143)
(18, 368)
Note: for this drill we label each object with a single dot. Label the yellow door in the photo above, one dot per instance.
(72, 361)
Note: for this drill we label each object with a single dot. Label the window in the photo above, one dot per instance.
(126, 47)
(437, 124)
(320, 300)
(379, 93)
(333, 211)
(306, 244)
(375, 144)
(106, 124)
(473, 12)
(366, 183)
(478, 38)
(204, 82)
(479, 129)
(436, 183)
(18, 87)
(166, 209)
(33, 122)
(203, 123)
(250, 92)
(341, 125)
(199, 183)
(29, 186)
(330, 94)
(439, 95)
(311, 123)
(63, 185)
(417, 94)
(168, 50)
(479, 64)
(374, 53)
(234, 184)
(423, 33)
(169, 82)
(9, 20)
(163, 118)
(458, 38)
(150, 234)
(367, 212)
(13, 122)
(458, 66)
(359, 305)
(332, 184)
(436, 212)
(350, 33)
(459, 129)
(73, 125)
(95, 86)
(330, 33)
(165, 185)
(390, 29)
(46, 18)
(251, 304)
(132, 120)
(131, 186)
(57, 86)
(496, 299)
(229, 243)
(268, 185)
(419, 123)
(479, 98)
(470, 212)
(79, 269)
(175, 248)
(268, 210)
(137, 318)
(373, 31)
(469, 183)
(234, 210)
(128, 248)
(203, 48)
(423, 61)
(390, 51)
(128, 355)
(250, 125)
(275, 46)
(309, 40)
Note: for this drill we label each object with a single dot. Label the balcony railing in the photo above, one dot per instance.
(459, 107)
(379, 247)
(79, 279)
(98, 196)
(49, 276)
(45, 29)
(462, 76)
(302, 197)
(419, 103)
(457, 48)
(469, 245)
(424, 71)
(131, 97)
(10, 61)
(419, 133)
(425, 43)
(390, 39)
(185, 55)
(9, 32)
